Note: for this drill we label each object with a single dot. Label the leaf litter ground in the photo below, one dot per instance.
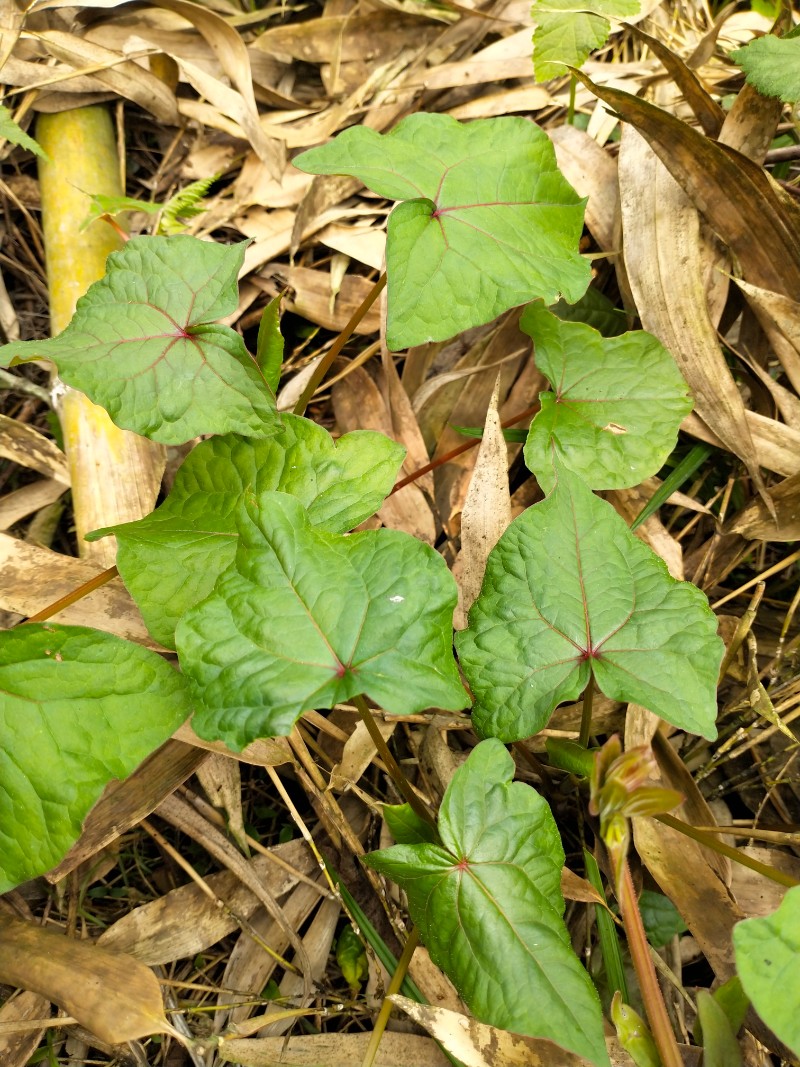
(312, 80)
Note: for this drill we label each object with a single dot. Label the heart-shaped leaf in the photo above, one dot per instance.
(767, 958)
(305, 618)
(617, 405)
(171, 559)
(772, 65)
(568, 30)
(570, 594)
(488, 905)
(144, 344)
(488, 222)
(67, 696)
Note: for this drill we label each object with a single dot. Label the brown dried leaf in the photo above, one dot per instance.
(310, 296)
(35, 577)
(122, 76)
(16, 1048)
(333, 1050)
(476, 1044)
(222, 784)
(756, 523)
(664, 262)
(24, 445)
(186, 920)
(123, 804)
(780, 319)
(23, 502)
(265, 752)
(487, 509)
(112, 995)
(370, 37)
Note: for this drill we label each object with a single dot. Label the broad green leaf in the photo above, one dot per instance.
(304, 619)
(720, 1047)
(269, 346)
(596, 310)
(78, 709)
(662, 920)
(351, 957)
(11, 131)
(567, 31)
(488, 221)
(171, 559)
(570, 593)
(618, 402)
(406, 827)
(144, 344)
(488, 905)
(772, 65)
(768, 961)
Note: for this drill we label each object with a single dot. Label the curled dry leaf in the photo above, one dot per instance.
(112, 995)
(16, 1048)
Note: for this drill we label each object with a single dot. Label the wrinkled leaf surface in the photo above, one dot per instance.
(571, 594)
(487, 220)
(171, 559)
(145, 345)
(305, 618)
(617, 404)
(489, 908)
(566, 31)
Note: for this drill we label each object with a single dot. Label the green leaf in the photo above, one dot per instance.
(569, 593)
(351, 957)
(768, 961)
(772, 65)
(488, 905)
(662, 920)
(406, 827)
(305, 619)
(269, 346)
(617, 405)
(11, 131)
(488, 221)
(68, 695)
(144, 344)
(115, 205)
(596, 310)
(187, 203)
(171, 559)
(567, 31)
(720, 1047)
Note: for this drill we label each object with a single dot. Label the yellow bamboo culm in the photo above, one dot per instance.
(115, 474)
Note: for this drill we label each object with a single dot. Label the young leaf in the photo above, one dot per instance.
(144, 344)
(662, 920)
(767, 956)
(11, 131)
(567, 31)
(488, 905)
(570, 593)
(187, 203)
(617, 405)
(170, 559)
(772, 65)
(269, 346)
(115, 205)
(488, 221)
(304, 619)
(67, 696)
(351, 957)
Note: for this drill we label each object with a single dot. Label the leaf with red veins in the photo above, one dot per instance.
(570, 595)
(487, 222)
(144, 344)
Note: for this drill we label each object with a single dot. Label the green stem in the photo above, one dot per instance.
(586, 715)
(392, 766)
(710, 841)
(325, 363)
(386, 1007)
(655, 1007)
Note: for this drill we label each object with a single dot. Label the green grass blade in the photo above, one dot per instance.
(685, 469)
(607, 932)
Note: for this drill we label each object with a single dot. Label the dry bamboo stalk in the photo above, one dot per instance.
(115, 474)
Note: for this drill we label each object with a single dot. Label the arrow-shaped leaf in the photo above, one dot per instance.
(170, 559)
(488, 905)
(618, 402)
(570, 594)
(67, 696)
(145, 345)
(488, 221)
(305, 618)
(568, 30)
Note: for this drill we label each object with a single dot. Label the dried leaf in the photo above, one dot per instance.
(113, 995)
(334, 1050)
(24, 445)
(16, 1048)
